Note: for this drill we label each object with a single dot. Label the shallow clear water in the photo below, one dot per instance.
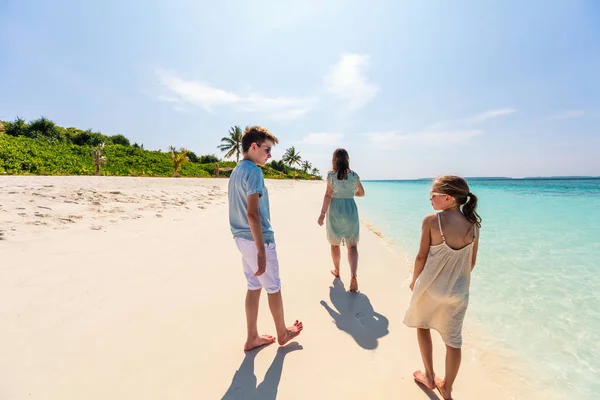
(536, 286)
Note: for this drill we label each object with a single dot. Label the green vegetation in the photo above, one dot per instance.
(41, 147)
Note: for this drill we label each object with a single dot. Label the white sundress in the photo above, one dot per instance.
(441, 293)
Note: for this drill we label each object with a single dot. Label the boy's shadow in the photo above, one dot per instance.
(243, 385)
(355, 315)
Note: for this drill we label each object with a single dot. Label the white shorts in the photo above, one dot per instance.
(269, 280)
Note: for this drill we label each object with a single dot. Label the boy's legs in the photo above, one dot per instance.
(254, 339)
(284, 334)
(271, 282)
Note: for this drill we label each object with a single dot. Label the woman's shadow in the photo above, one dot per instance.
(243, 385)
(356, 316)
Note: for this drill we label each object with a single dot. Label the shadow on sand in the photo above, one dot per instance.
(355, 316)
(243, 385)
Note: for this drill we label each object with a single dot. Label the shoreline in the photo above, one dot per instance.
(152, 307)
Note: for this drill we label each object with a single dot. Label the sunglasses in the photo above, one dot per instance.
(268, 149)
(431, 194)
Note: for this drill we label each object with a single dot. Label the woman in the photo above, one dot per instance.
(343, 226)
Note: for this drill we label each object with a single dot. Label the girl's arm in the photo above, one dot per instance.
(475, 248)
(423, 250)
(325, 206)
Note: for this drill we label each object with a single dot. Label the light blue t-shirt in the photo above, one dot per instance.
(246, 179)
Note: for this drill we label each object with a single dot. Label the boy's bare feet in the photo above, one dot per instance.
(441, 387)
(335, 272)
(258, 341)
(291, 333)
(422, 378)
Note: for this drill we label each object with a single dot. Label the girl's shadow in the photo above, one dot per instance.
(243, 385)
(356, 316)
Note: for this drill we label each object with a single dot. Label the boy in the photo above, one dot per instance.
(249, 219)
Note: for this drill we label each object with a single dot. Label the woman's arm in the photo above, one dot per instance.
(423, 250)
(360, 190)
(325, 206)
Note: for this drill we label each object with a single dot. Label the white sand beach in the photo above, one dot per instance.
(132, 288)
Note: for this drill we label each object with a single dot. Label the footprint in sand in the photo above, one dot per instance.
(96, 227)
(22, 214)
(2, 237)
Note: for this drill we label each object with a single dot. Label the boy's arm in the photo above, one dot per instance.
(423, 251)
(256, 229)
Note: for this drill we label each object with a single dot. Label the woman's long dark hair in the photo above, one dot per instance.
(341, 163)
(458, 188)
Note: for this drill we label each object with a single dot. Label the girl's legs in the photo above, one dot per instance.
(426, 347)
(353, 260)
(453, 359)
(335, 256)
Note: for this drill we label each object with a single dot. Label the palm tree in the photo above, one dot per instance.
(98, 158)
(306, 165)
(232, 144)
(179, 158)
(315, 171)
(291, 157)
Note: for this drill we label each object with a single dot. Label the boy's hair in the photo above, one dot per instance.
(256, 134)
(457, 187)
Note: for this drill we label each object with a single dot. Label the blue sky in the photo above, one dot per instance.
(411, 88)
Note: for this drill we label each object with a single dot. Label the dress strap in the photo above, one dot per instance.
(474, 232)
(440, 225)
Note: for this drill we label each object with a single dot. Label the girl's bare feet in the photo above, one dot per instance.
(335, 272)
(291, 333)
(422, 378)
(353, 284)
(258, 341)
(441, 387)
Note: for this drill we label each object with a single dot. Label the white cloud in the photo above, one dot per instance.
(322, 139)
(391, 139)
(568, 114)
(346, 81)
(490, 114)
(203, 95)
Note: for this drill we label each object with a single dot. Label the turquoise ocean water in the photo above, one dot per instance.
(536, 286)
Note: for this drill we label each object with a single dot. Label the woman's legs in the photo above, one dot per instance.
(336, 256)
(353, 261)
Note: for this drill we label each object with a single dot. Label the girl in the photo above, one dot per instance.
(342, 215)
(442, 273)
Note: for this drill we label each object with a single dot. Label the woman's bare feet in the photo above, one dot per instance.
(441, 387)
(422, 378)
(335, 272)
(353, 284)
(258, 341)
(291, 333)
